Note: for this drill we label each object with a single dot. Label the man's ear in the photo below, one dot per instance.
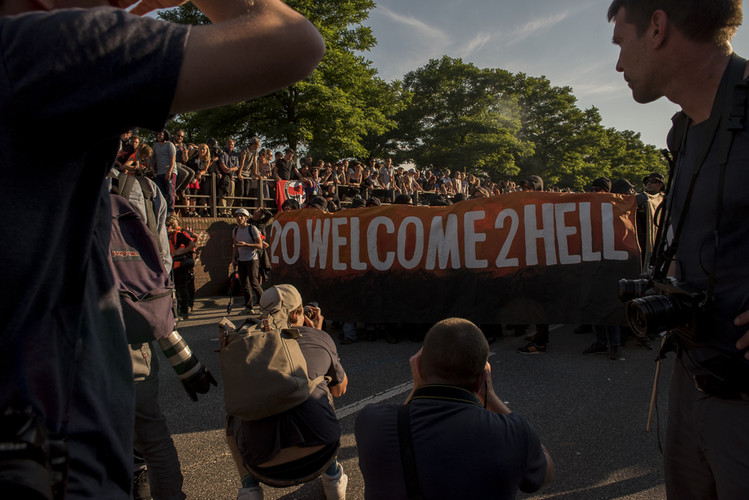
(658, 29)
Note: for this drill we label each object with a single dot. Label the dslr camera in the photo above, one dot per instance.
(308, 309)
(33, 466)
(655, 305)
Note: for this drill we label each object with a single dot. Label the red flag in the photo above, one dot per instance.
(294, 190)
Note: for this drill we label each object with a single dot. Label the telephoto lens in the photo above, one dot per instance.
(194, 376)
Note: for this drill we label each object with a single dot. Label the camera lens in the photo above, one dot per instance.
(632, 289)
(654, 314)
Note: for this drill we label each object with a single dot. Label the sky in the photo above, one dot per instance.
(567, 41)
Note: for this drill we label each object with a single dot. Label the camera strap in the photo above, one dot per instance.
(726, 117)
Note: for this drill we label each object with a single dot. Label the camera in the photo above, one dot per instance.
(655, 305)
(308, 309)
(194, 376)
(32, 465)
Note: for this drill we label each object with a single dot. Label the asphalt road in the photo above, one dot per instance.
(590, 412)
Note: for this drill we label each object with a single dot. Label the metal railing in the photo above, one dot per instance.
(265, 190)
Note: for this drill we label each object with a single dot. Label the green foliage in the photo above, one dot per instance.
(448, 114)
(460, 117)
(491, 121)
(328, 114)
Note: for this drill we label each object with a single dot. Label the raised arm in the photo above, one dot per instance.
(257, 46)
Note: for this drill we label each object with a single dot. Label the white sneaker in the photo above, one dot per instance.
(335, 486)
(254, 493)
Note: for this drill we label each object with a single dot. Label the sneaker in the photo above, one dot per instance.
(141, 485)
(335, 486)
(596, 348)
(254, 493)
(532, 348)
(614, 354)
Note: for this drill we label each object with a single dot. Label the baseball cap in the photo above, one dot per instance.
(603, 183)
(654, 175)
(280, 300)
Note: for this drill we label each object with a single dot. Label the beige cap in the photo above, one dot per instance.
(279, 301)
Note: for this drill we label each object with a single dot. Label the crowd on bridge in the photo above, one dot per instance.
(195, 179)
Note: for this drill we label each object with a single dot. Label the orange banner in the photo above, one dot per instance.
(500, 238)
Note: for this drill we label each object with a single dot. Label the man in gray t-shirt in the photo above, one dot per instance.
(248, 243)
(165, 161)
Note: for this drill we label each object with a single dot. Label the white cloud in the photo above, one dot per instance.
(532, 27)
(476, 43)
(421, 28)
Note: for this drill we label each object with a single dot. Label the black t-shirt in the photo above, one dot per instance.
(694, 259)
(177, 240)
(461, 450)
(100, 72)
(286, 170)
(312, 423)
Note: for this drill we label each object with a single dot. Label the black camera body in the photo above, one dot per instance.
(308, 309)
(32, 464)
(655, 305)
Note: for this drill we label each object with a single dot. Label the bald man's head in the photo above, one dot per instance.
(455, 352)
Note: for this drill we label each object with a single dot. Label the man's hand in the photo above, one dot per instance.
(488, 396)
(199, 383)
(743, 343)
(414, 362)
(315, 319)
(488, 387)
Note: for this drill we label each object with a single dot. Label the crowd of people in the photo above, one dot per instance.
(187, 172)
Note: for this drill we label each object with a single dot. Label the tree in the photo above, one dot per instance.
(328, 113)
(461, 117)
(505, 125)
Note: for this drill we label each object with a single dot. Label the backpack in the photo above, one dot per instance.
(264, 373)
(123, 186)
(143, 284)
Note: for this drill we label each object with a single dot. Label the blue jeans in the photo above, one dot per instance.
(349, 330)
(166, 186)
